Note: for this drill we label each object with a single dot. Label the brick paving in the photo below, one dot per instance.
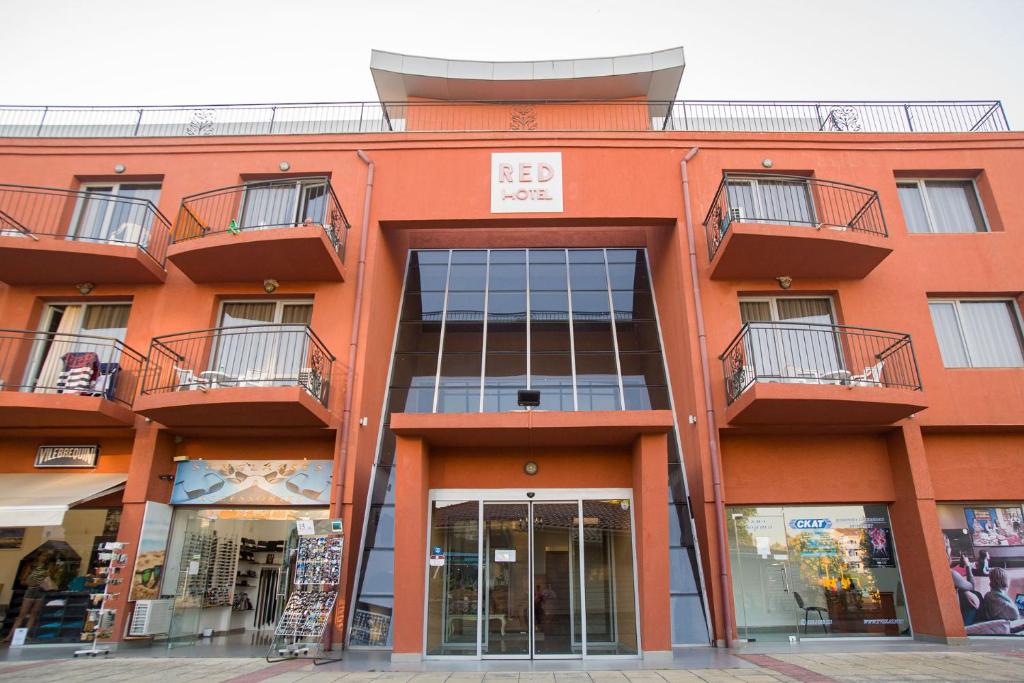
(763, 668)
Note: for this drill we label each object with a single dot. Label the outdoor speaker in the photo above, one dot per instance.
(529, 398)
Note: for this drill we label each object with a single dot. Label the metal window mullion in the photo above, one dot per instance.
(444, 320)
(583, 584)
(481, 558)
(572, 339)
(531, 593)
(483, 348)
(923, 189)
(615, 336)
(963, 333)
(529, 315)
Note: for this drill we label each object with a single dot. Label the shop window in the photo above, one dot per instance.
(815, 572)
(943, 206)
(985, 552)
(978, 333)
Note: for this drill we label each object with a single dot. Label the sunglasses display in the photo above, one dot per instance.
(306, 614)
(318, 560)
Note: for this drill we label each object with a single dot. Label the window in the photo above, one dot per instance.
(77, 336)
(799, 340)
(770, 200)
(944, 206)
(261, 342)
(978, 334)
(116, 213)
(277, 203)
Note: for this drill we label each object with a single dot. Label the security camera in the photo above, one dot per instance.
(530, 494)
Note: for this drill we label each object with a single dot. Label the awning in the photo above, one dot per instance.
(41, 499)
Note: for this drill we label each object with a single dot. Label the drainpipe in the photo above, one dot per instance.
(353, 346)
(709, 406)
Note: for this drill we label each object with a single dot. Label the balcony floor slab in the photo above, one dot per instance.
(302, 253)
(25, 409)
(25, 261)
(759, 250)
(783, 403)
(264, 407)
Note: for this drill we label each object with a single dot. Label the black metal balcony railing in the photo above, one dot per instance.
(262, 205)
(35, 212)
(69, 364)
(809, 353)
(388, 117)
(791, 200)
(268, 355)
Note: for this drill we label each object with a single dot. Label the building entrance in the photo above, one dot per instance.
(517, 574)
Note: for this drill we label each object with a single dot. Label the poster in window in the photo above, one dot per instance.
(879, 545)
(995, 526)
(11, 537)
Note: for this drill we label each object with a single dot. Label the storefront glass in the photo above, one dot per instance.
(49, 573)
(815, 571)
(985, 548)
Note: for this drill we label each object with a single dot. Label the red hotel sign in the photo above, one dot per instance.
(526, 182)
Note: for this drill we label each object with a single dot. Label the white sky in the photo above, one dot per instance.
(234, 51)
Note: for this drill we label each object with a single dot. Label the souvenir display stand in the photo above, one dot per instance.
(100, 621)
(309, 611)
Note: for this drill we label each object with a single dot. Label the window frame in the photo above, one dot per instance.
(39, 351)
(1017, 318)
(757, 194)
(75, 229)
(921, 185)
(773, 305)
(301, 187)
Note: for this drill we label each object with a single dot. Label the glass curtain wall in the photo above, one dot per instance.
(476, 326)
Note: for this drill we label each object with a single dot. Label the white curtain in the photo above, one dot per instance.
(913, 208)
(780, 350)
(53, 364)
(270, 206)
(954, 206)
(992, 333)
(947, 330)
(786, 201)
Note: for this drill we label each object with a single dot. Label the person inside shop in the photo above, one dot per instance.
(963, 583)
(38, 581)
(998, 604)
(982, 566)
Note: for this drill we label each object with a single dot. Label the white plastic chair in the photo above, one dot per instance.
(872, 376)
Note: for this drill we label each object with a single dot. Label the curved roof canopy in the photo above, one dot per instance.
(653, 75)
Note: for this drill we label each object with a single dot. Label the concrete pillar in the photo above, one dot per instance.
(152, 455)
(650, 493)
(411, 500)
(931, 598)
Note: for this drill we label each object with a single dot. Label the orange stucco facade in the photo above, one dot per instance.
(961, 438)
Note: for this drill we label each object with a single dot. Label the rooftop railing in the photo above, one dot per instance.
(96, 217)
(69, 364)
(267, 355)
(811, 353)
(263, 205)
(791, 200)
(543, 116)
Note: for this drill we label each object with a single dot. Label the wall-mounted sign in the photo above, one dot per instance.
(529, 182)
(504, 555)
(803, 524)
(67, 456)
(262, 482)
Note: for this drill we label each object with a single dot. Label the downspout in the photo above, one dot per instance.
(709, 407)
(341, 465)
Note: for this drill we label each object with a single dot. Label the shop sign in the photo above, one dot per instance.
(804, 524)
(67, 456)
(249, 483)
(526, 182)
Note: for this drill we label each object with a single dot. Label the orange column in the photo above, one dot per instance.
(650, 493)
(411, 500)
(931, 597)
(152, 455)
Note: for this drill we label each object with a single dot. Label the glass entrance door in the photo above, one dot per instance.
(544, 593)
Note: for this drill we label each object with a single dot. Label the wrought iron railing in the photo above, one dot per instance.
(46, 212)
(791, 200)
(69, 364)
(262, 205)
(560, 116)
(809, 353)
(268, 355)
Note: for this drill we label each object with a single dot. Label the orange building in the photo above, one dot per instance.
(578, 370)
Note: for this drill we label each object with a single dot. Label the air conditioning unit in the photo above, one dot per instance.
(735, 214)
(151, 617)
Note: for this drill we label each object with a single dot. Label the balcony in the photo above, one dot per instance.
(767, 225)
(55, 236)
(66, 380)
(779, 373)
(290, 229)
(271, 375)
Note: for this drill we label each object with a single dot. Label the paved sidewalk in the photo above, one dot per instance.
(945, 665)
